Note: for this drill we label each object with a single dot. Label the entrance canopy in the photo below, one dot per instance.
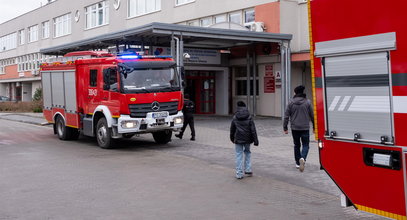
(160, 34)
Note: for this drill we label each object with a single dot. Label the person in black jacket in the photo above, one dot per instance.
(242, 134)
(188, 110)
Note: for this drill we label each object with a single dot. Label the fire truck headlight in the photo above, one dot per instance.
(178, 120)
(320, 144)
(129, 124)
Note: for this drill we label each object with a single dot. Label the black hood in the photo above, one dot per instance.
(242, 113)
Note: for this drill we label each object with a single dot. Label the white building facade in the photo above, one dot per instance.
(215, 85)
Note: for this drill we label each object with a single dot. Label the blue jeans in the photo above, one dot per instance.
(300, 136)
(240, 148)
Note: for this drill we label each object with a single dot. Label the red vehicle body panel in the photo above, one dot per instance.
(372, 189)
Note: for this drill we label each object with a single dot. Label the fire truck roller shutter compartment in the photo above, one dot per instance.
(46, 87)
(357, 90)
(70, 91)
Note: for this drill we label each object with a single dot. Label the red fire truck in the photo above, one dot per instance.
(109, 97)
(359, 66)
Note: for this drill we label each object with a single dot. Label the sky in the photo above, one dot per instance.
(10, 9)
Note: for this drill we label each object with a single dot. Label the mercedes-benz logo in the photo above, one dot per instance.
(155, 106)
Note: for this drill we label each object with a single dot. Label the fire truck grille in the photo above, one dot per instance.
(141, 110)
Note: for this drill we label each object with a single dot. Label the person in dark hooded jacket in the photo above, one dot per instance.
(242, 134)
(299, 112)
(188, 110)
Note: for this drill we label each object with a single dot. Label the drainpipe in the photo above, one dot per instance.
(248, 78)
(254, 83)
(283, 79)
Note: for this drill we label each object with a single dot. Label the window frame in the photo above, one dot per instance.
(210, 19)
(244, 78)
(184, 3)
(21, 37)
(8, 42)
(89, 11)
(235, 13)
(244, 15)
(45, 29)
(225, 17)
(32, 33)
(135, 14)
(66, 21)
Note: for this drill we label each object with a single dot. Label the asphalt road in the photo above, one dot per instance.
(42, 177)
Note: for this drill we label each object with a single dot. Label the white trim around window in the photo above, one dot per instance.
(32, 34)
(97, 15)
(45, 29)
(183, 2)
(137, 8)
(62, 25)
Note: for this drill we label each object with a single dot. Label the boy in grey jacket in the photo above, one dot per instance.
(299, 112)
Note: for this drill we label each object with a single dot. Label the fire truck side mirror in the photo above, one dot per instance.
(106, 79)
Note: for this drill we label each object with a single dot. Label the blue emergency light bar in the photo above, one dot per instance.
(135, 56)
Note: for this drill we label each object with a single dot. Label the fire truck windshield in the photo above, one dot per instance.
(150, 80)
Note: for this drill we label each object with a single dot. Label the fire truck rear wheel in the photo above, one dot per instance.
(162, 137)
(103, 134)
(63, 132)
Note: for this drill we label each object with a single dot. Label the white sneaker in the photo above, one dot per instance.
(302, 164)
(297, 166)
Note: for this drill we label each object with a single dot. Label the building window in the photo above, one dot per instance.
(235, 17)
(141, 7)
(93, 81)
(206, 22)
(28, 62)
(193, 23)
(249, 15)
(182, 2)
(241, 82)
(62, 25)
(8, 42)
(97, 14)
(241, 87)
(21, 37)
(219, 18)
(32, 34)
(45, 29)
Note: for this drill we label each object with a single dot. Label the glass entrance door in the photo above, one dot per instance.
(200, 85)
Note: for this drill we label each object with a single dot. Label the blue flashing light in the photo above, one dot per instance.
(126, 57)
(135, 56)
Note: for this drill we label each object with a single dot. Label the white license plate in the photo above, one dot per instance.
(160, 114)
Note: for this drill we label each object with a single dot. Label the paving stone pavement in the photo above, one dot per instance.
(273, 160)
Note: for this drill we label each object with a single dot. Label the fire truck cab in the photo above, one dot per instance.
(109, 97)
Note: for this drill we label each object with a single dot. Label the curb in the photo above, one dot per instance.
(27, 122)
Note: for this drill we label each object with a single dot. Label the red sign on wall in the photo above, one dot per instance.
(269, 70)
(269, 80)
(269, 85)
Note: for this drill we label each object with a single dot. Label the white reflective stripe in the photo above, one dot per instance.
(380, 104)
(400, 104)
(344, 103)
(334, 103)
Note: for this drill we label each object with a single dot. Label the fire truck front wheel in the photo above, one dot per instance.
(162, 137)
(103, 134)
